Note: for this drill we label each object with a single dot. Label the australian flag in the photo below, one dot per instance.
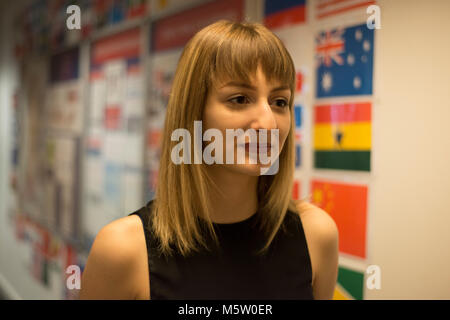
(344, 61)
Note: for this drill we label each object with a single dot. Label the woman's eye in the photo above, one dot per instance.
(239, 100)
(284, 103)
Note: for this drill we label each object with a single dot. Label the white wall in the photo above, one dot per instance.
(409, 223)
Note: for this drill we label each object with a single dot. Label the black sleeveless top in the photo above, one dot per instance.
(233, 271)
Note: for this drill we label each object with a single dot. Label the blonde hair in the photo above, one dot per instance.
(222, 50)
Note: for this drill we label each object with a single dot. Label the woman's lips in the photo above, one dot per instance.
(262, 147)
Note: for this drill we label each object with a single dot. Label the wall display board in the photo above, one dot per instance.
(64, 112)
(45, 187)
(341, 130)
(42, 25)
(114, 144)
(333, 53)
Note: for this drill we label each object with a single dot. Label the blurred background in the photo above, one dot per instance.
(83, 92)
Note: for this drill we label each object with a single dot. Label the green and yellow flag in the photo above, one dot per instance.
(342, 136)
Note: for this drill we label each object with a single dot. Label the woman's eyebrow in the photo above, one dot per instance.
(238, 84)
(249, 86)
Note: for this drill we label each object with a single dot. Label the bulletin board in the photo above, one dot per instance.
(114, 145)
(44, 212)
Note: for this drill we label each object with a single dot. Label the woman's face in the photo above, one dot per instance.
(256, 105)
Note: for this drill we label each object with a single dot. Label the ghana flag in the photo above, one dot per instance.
(342, 136)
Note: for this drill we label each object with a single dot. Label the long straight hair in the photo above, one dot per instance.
(222, 50)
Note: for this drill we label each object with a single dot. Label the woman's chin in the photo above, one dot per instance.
(248, 169)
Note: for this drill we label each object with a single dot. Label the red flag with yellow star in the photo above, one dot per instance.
(347, 205)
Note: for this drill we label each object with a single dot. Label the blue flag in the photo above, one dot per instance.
(344, 61)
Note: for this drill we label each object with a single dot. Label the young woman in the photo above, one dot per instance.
(222, 230)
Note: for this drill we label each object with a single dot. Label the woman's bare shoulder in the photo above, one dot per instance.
(322, 237)
(118, 239)
(115, 255)
(312, 214)
(317, 222)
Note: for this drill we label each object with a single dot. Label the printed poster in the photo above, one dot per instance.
(331, 8)
(342, 136)
(282, 13)
(61, 184)
(64, 97)
(64, 107)
(350, 285)
(298, 114)
(347, 205)
(297, 189)
(159, 7)
(176, 30)
(344, 61)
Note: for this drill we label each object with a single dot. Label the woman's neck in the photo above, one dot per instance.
(238, 198)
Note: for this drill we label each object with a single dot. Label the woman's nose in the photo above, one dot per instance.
(263, 117)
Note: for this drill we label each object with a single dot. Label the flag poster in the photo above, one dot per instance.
(329, 8)
(297, 189)
(347, 205)
(280, 13)
(175, 30)
(64, 117)
(298, 114)
(62, 166)
(344, 62)
(350, 285)
(342, 136)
